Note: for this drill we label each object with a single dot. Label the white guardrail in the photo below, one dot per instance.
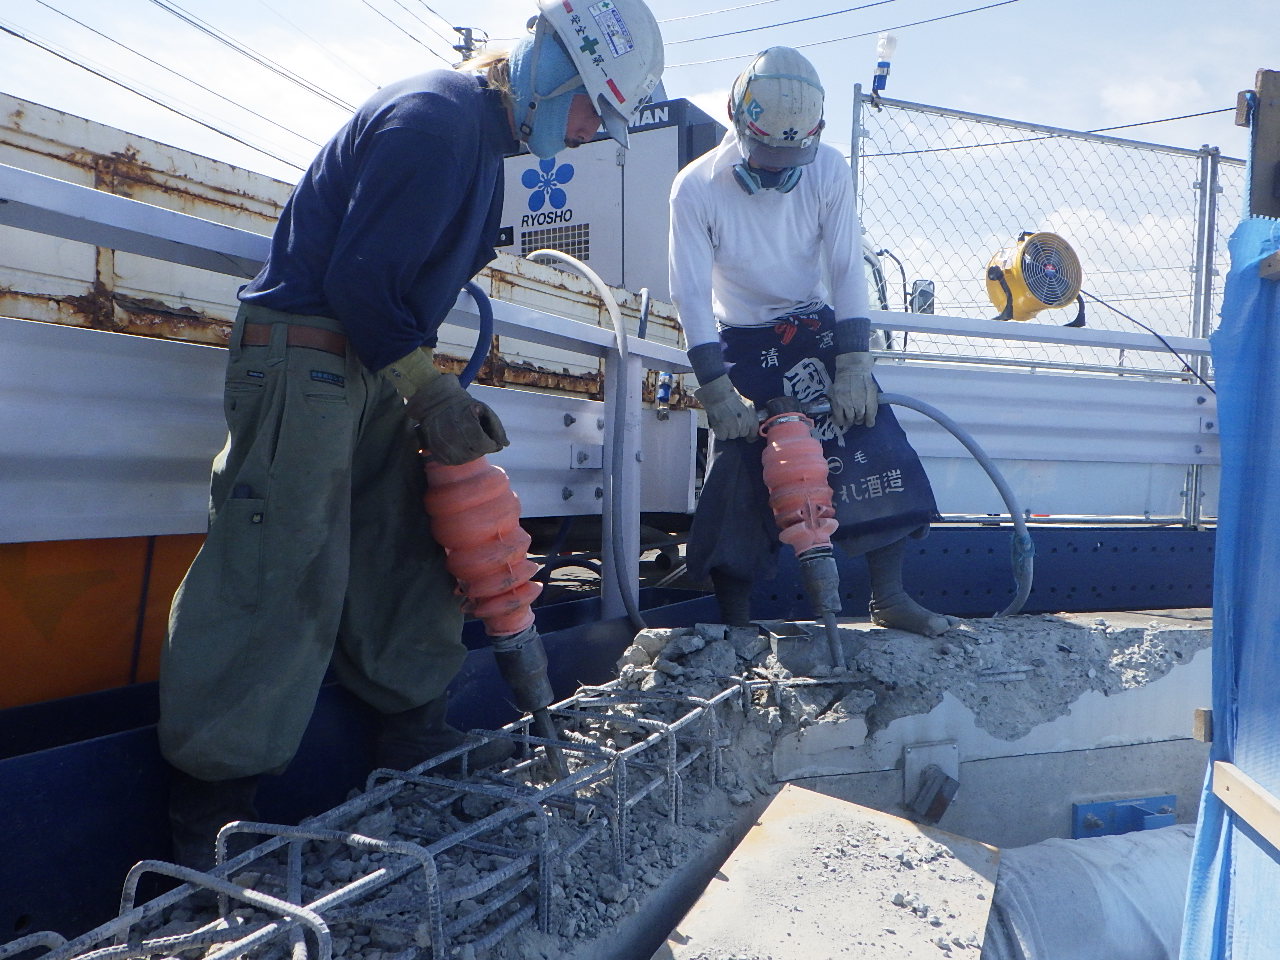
(107, 435)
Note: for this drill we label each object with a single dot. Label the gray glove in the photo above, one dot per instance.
(731, 415)
(854, 395)
(453, 426)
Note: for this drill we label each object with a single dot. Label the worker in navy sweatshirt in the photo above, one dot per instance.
(318, 552)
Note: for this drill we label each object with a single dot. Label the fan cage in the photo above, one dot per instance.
(1050, 270)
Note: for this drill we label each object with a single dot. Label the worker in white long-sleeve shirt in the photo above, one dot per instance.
(767, 275)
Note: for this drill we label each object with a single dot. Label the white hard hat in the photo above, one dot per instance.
(776, 106)
(617, 49)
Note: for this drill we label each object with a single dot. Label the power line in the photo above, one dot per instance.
(856, 36)
(405, 32)
(181, 76)
(441, 16)
(447, 40)
(709, 13)
(335, 57)
(784, 23)
(246, 51)
(145, 96)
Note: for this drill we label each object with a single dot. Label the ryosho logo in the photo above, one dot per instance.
(546, 184)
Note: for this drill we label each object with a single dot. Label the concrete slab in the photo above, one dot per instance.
(820, 877)
(1013, 687)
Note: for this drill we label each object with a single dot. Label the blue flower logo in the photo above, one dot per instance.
(546, 183)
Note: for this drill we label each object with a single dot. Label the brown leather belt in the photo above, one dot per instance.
(315, 338)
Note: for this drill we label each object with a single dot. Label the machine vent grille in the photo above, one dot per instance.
(574, 240)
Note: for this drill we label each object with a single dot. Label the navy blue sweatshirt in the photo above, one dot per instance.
(396, 213)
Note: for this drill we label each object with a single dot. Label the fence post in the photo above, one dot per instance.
(1207, 190)
(855, 146)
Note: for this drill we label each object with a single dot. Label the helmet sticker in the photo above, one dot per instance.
(614, 28)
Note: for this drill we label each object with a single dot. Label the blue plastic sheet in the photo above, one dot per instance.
(1231, 898)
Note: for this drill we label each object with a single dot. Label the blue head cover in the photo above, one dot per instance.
(544, 82)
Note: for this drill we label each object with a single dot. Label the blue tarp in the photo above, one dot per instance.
(1235, 874)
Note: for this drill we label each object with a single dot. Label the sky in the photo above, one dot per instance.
(1075, 64)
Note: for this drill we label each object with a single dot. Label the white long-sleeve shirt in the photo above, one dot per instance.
(741, 260)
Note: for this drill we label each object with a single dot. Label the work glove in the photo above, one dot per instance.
(854, 395)
(731, 415)
(452, 425)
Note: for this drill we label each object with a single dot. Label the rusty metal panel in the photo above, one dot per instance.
(61, 281)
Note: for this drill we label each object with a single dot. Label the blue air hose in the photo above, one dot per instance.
(484, 339)
(1022, 548)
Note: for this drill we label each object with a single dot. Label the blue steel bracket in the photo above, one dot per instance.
(1110, 817)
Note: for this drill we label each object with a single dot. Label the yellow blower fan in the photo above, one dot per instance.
(1039, 272)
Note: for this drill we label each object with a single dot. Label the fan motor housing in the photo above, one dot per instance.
(1041, 271)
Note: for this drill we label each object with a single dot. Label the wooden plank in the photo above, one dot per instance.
(821, 877)
(1264, 197)
(1202, 725)
(1248, 799)
(1269, 269)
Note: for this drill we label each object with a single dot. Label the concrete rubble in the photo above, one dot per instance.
(787, 715)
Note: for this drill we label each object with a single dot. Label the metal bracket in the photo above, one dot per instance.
(916, 757)
(1111, 817)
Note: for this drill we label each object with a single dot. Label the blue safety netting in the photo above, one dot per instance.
(1235, 874)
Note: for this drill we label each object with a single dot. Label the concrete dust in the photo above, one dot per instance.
(819, 877)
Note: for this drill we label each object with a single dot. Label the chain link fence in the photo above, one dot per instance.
(941, 192)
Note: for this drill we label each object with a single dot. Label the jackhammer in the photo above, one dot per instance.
(475, 517)
(795, 471)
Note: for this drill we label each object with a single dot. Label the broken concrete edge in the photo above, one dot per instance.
(640, 934)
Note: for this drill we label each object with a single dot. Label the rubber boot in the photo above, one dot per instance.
(890, 605)
(733, 594)
(198, 809)
(415, 736)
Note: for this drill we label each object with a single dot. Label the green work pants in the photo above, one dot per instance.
(318, 551)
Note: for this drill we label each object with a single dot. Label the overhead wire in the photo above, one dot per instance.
(146, 96)
(332, 55)
(783, 23)
(179, 74)
(406, 32)
(447, 40)
(709, 13)
(246, 51)
(712, 13)
(856, 36)
(442, 18)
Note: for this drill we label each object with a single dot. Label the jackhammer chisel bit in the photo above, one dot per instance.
(522, 661)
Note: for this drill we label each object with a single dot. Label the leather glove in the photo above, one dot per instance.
(731, 415)
(452, 425)
(855, 398)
